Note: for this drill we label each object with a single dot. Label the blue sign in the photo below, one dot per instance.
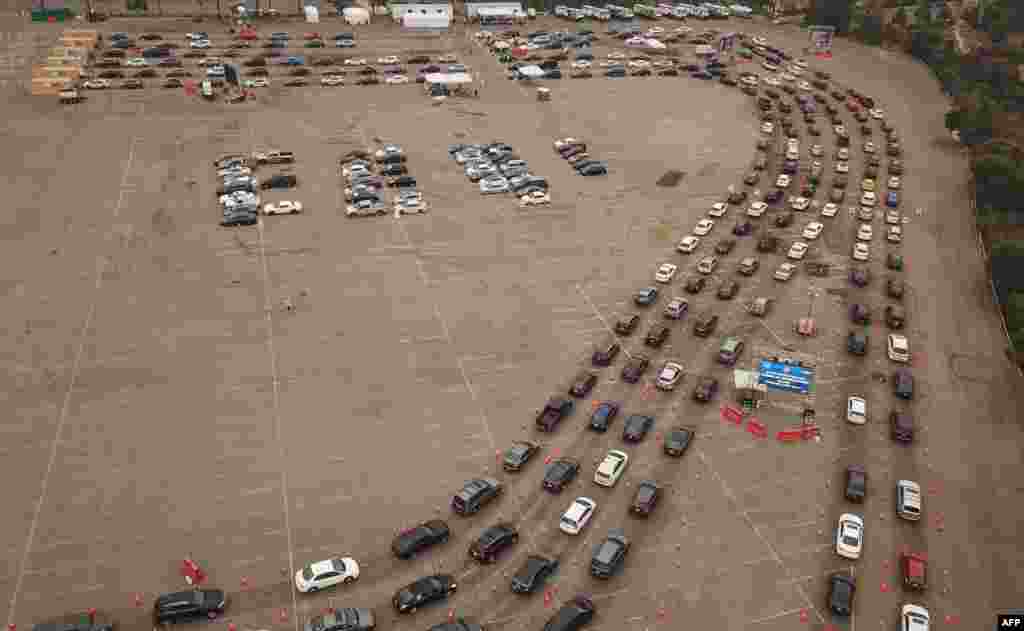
(788, 377)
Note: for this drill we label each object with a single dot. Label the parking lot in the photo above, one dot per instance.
(169, 405)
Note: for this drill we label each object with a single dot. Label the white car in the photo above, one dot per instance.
(332, 80)
(365, 208)
(856, 410)
(707, 264)
(749, 80)
(616, 55)
(897, 347)
(894, 234)
(388, 150)
(793, 144)
(783, 181)
(411, 206)
(355, 170)
(840, 130)
(894, 182)
(669, 376)
(355, 62)
(817, 151)
(703, 227)
(914, 618)
(796, 70)
(322, 574)
(215, 72)
(582, 64)
(536, 198)
(771, 81)
(792, 153)
(210, 61)
(611, 468)
(688, 244)
(850, 536)
(813, 230)
(787, 77)
(842, 167)
(797, 251)
(908, 500)
(869, 147)
(448, 58)
(877, 113)
(892, 217)
(282, 208)
(199, 43)
(868, 199)
(800, 63)
(718, 209)
(390, 60)
(396, 79)
(575, 519)
(638, 63)
(565, 142)
(799, 203)
(770, 67)
(96, 84)
(861, 252)
(829, 210)
(785, 272)
(866, 213)
(767, 128)
(757, 209)
(865, 232)
(666, 272)
(760, 41)
(258, 82)
(234, 172)
(803, 85)
(135, 62)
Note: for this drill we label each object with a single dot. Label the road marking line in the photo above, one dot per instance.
(618, 592)
(62, 416)
(776, 616)
(600, 317)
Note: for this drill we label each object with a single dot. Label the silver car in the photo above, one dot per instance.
(468, 155)
(493, 184)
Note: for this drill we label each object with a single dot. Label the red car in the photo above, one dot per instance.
(312, 36)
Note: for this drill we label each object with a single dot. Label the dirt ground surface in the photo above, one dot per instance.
(162, 403)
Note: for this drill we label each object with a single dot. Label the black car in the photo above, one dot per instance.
(424, 591)
(751, 178)
(603, 415)
(279, 181)
(189, 605)
(346, 619)
(705, 389)
(594, 169)
(737, 197)
(901, 427)
(646, 498)
(573, 616)
(635, 367)
(657, 336)
(475, 494)
(857, 343)
(636, 427)
(695, 284)
(841, 589)
(728, 290)
(556, 409)
(673, 72)
(856, 483)
(610, 554)
(774, 196)
(903, 384)
(725, 246)
(111, 74)
(239, 219)
(402, 181)
(518, 455)
(560, 473)
(895, 316)
(678, 440)
(894, 288)
(646, 297)
(742, 228)
(605, 354)
(627, 324)
(493, 541)
(705, 324)
(583, 384)
(411, 542)
(394, 169)
(534, 573)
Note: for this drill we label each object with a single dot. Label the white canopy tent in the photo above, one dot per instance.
(429, 21)
(448, 78)
(532, 72)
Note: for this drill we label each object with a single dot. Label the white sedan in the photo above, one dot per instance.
(829, 210)
(536, 198)
(799, 203)
(861, 252)
(757, 209)
(803, 85)
(894, 182)
(767, 128)
(813, 230)
(582, 64)
(783, 181)
(638, 63)
(411, 206)
(135, 62)
(332, 80)
(578, 515)
(914, 618)
(894, 234)
(396, 79)
(718, 209)
(865, 232)
(869, 147)
(234, 172)
(850, 536)
(199, 43)
(703, 227)
(355, 62)
(785, 272)
(842, 167)
(769, 66)
(317, 576)
(797, 251)
(892, 217)
(565, 142)
(611, 468)
(856, 411)
(616, 56)
(688, 244)
(666, 272)
(771, 81)
(868, 199)
(390, 60)
(96, 84)
(787, 77)
(817, 151)
(800, 63)
(447, 58)
(877, 113)
(282, 208)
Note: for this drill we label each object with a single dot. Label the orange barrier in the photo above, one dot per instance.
(788, 436)
(733, 414)
(756, 429)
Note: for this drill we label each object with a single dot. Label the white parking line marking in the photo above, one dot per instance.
(781, 614)
(618, 592)
(597, 313)
(260, 491)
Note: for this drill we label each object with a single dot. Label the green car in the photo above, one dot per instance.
(314, 44)
(746, 53)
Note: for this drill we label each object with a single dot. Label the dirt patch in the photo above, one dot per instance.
(981, 369)
(671, 177)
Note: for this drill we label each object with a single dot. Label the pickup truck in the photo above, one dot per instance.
(556, 409)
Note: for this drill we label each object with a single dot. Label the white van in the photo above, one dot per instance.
(561, 11)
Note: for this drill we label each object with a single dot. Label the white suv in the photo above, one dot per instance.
(578, 516)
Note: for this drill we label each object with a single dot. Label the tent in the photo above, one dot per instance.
(442, 78)
(440, 20)
(532, 72)
(356, 15)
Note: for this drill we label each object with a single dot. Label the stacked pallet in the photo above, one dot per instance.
(64, 62)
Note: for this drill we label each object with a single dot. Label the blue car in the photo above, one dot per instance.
(892, 199)
(122, 43)
(293, 61)
(279, 35)
(116, 36)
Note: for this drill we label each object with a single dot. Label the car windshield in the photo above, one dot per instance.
(850, 540)
(307, 573)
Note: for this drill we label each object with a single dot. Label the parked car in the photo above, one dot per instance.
(559, 474)
(518, 455)
(610, 555)
(493, 541)
(424, 591)
(189, 605)
(411, 542)
(533, 574)
(327, 573)
(475, 494)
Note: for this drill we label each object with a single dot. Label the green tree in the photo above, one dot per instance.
(1015, 249)
(954, 119)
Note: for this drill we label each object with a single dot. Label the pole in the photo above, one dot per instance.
(811, 295)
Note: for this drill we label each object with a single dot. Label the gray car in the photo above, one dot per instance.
(493, 184)
(480, 170)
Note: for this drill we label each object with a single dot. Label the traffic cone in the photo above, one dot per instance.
(138, 600)
(884, 587)
(451, 615)
(92, 615)
(283, 615)
(804, 617)
(245, 583)
(232, 627)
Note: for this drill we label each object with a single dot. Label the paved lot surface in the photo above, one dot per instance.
(164, 404)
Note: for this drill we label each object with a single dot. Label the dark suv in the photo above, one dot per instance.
(573, 615)
(657, 336)
(705, 325)
(902, 427)
(189, 605)
(647, 493)
(583, 384)
(475, 494)
(556, 409)
(605, 354)
(856, 483)
(610, 554)
(492, 542)
(903, 384)
(857, 343)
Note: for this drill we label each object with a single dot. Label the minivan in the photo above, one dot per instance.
(908, 500)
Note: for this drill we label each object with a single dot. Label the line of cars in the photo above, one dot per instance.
(239, 189)
(497, 168)
(368, 174)
(574, 151)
